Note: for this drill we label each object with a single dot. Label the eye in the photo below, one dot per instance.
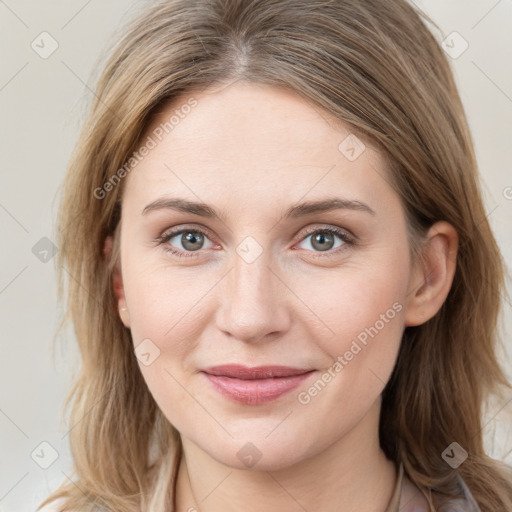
(184, 242)
(187, 241)
(324, 239)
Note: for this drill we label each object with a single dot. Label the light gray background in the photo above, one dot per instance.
(42, 102)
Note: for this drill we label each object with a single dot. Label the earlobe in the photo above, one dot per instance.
(117, 284)
(432, 279)
(107, 247)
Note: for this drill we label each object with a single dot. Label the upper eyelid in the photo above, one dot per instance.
(172, 232)
(328, 227)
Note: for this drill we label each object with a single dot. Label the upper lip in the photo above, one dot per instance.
(239, 371)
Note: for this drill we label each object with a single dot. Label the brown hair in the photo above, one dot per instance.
(373, 64)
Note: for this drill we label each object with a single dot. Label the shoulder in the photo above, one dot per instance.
(413, 499)
(465, 504)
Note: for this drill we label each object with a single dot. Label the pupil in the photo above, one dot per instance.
(321, 238)
(191, 239)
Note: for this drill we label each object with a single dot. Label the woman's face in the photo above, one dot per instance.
(250, 278)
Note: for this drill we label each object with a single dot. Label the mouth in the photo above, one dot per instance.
(255, 385)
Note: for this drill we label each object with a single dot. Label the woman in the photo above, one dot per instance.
(282, 279)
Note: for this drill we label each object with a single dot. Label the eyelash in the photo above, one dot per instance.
(348, 240)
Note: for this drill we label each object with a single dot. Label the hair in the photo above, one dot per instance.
(372, 64)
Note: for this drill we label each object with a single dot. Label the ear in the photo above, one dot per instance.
(117, 284)
(431, 279)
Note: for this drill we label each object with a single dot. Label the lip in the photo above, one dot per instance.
(255, 385)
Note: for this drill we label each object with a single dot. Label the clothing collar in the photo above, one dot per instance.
(407, 497)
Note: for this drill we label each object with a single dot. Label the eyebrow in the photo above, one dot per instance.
(299, 210)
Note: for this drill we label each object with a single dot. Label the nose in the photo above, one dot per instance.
(254, 301)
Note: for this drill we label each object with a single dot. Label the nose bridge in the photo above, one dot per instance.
(251, 279)
(253, 301)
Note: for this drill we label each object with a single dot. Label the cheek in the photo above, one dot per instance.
(167, 316)
(364, 309)
(357, 304)
(165, 304)
(367, 317)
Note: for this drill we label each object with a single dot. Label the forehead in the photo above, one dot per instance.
(225, 116)
(254, 141)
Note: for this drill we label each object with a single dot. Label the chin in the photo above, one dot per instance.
(256, 452)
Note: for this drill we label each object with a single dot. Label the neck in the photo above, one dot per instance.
(351, 475)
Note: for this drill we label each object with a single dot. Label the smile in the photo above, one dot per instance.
(256, 385)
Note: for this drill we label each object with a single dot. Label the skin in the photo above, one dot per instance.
(250, 152)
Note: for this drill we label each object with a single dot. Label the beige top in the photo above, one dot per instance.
(407, 497)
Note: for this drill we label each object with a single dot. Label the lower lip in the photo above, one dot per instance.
(256, 391)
